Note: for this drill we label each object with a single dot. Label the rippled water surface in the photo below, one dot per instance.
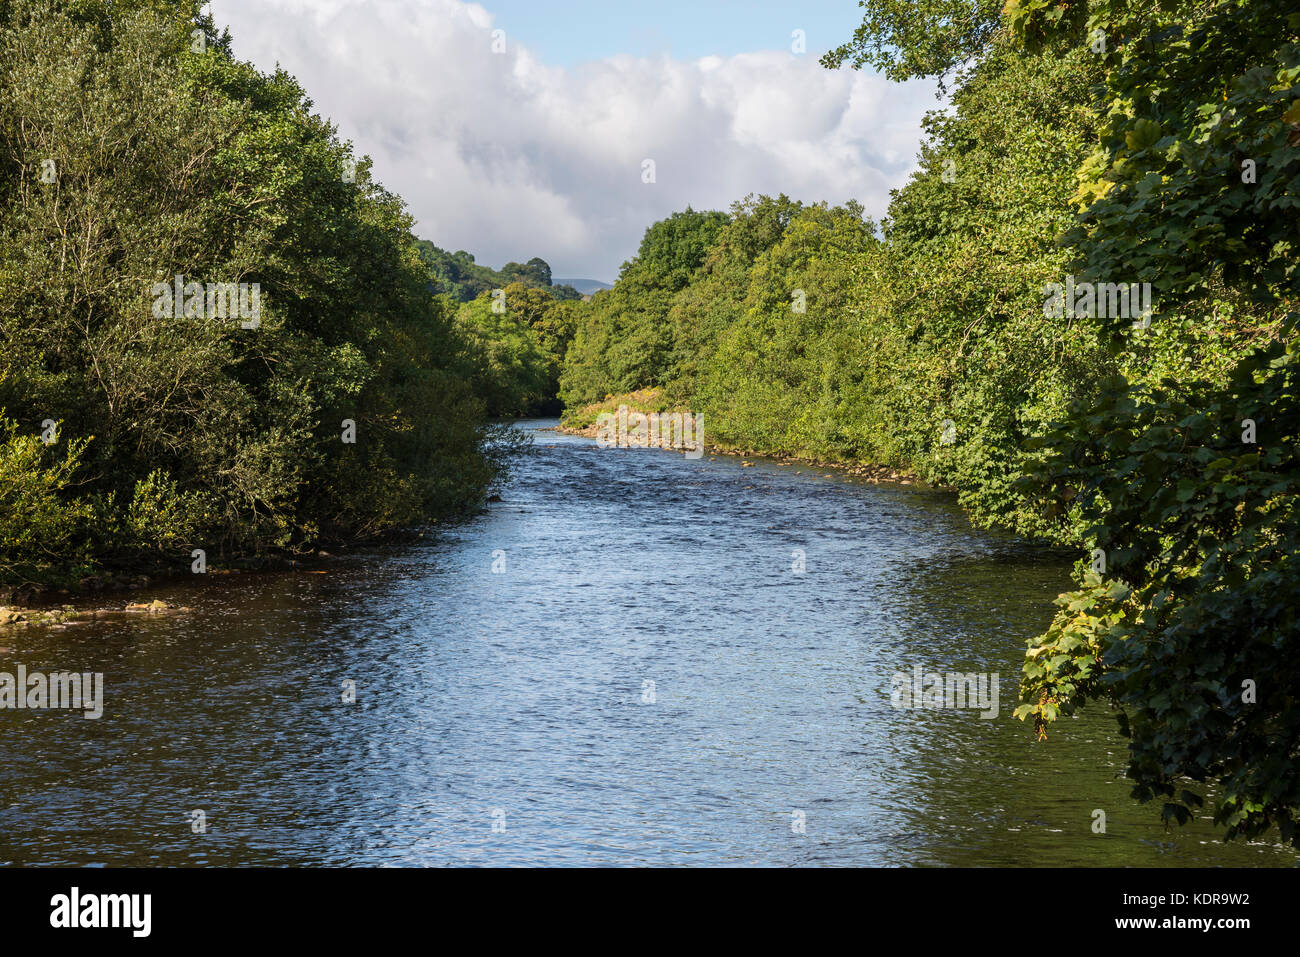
(522, 698)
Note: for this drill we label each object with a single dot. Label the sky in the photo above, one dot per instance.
(537, 141)
(567, 32)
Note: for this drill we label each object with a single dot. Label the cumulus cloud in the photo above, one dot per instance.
(509, 158)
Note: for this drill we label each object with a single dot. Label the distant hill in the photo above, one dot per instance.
(584, 286)
(459, 276)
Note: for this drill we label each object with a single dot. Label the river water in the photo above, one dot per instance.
(643, 679)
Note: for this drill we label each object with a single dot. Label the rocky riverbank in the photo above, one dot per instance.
(867, 472)
(65, 615)
(585, 422)
(36, 595)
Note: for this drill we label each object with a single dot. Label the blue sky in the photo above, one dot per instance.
(566, 32)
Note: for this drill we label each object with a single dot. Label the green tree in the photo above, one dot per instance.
(512, 370)
(916, 38)
(134, 148)
(1187, 481)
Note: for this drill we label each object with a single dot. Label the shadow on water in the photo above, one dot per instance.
(992, 793)
(644, 678)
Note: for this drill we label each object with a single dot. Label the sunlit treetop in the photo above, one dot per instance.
(905, 40)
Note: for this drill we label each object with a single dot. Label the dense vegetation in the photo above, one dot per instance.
(458, 276)
(520, 335)
(134, 147)
(1111, 142)
(1183, 469)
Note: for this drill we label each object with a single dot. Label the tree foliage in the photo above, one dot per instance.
(134, 147)
(904, 39)
(1186, 477)
(457, 274)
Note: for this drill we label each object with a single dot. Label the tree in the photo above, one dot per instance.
(1189, 481)
(132, 153)
(905, 39)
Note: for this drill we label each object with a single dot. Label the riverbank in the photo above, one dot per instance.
(584, 422)
(38, 599)
(12, 618)
(135, 576)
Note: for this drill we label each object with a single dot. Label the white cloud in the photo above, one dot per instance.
(510, 158)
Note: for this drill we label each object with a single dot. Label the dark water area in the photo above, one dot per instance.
(644, 679)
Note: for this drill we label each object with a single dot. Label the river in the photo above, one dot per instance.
(616, 664)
